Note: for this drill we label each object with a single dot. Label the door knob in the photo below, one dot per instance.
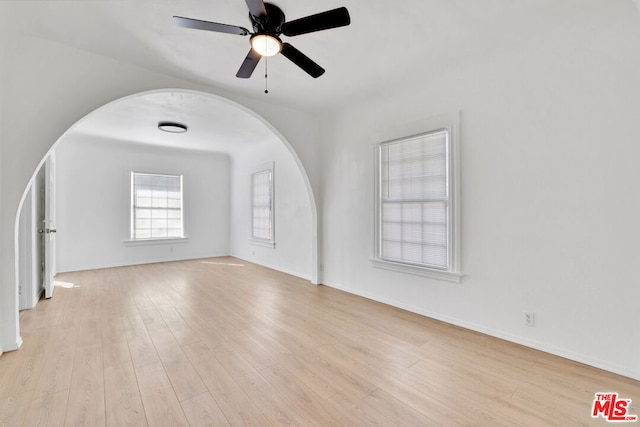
(51, 230)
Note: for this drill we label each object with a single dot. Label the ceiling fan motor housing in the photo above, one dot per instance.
(271, 23)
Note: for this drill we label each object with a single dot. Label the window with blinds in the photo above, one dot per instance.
(414, 201)
(156, 206)
(262, 205)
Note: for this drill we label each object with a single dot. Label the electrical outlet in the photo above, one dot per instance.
(529, 319)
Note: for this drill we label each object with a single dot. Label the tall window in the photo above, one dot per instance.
(156, 206)
(262, 205)
(416, 217)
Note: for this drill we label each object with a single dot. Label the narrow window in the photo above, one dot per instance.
(416, 209)
(156, 206)
(262, 205)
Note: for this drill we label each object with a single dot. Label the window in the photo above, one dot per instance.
(156, 206)
(417, 222)
(262, 206)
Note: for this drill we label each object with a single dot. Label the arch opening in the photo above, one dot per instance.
(216, 125)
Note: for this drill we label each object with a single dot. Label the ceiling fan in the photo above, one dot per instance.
(268, 24)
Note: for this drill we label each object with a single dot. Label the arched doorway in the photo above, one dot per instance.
(216, 125)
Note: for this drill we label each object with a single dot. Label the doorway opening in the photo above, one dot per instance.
(36, 237)
(217, 125)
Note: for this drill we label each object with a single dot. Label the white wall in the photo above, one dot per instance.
(292, 211)
(93, 202)
(550, 205)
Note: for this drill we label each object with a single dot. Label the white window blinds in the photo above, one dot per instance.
(262, 207)
(156, 206)
(414, 201)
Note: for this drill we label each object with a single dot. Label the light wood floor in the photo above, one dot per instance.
(224, 342)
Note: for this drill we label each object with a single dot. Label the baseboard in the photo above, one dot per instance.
(576, 357)
(282, 270)
(11, 346)
(146, 262)
(98, 267)
(36, 298)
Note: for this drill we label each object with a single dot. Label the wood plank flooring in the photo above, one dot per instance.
(224, 342)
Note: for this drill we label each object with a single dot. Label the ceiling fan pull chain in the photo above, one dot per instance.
(266, 67)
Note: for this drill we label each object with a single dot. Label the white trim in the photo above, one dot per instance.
(448, 276)
(146, 242)
(12, 346)
(262, 242)
(281, 270)
(451, 123)
(86, 267)
(537, 345)
(270, 167)
(132, 215)
(37, 297)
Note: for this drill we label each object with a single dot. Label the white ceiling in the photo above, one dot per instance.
(214, 124)
(387, 42)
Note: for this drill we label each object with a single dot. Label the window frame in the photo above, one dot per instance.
(450, 124)
(132, 213)
(256, 240)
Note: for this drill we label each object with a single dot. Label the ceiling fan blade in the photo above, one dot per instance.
(256, 8)
(320, 21)
(302, 60)
(249, 64)
(209, 26)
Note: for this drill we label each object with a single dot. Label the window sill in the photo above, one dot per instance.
(146, 242)
(263, 243)
(418, 271)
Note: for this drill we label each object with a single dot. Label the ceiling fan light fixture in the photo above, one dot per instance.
(266, 45)
(172, 127)
(268, 23)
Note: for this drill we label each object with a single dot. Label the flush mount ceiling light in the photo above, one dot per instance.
(266, 45)
(172, 127)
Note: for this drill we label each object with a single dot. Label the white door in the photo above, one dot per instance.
(49, 225)
(26, 238)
